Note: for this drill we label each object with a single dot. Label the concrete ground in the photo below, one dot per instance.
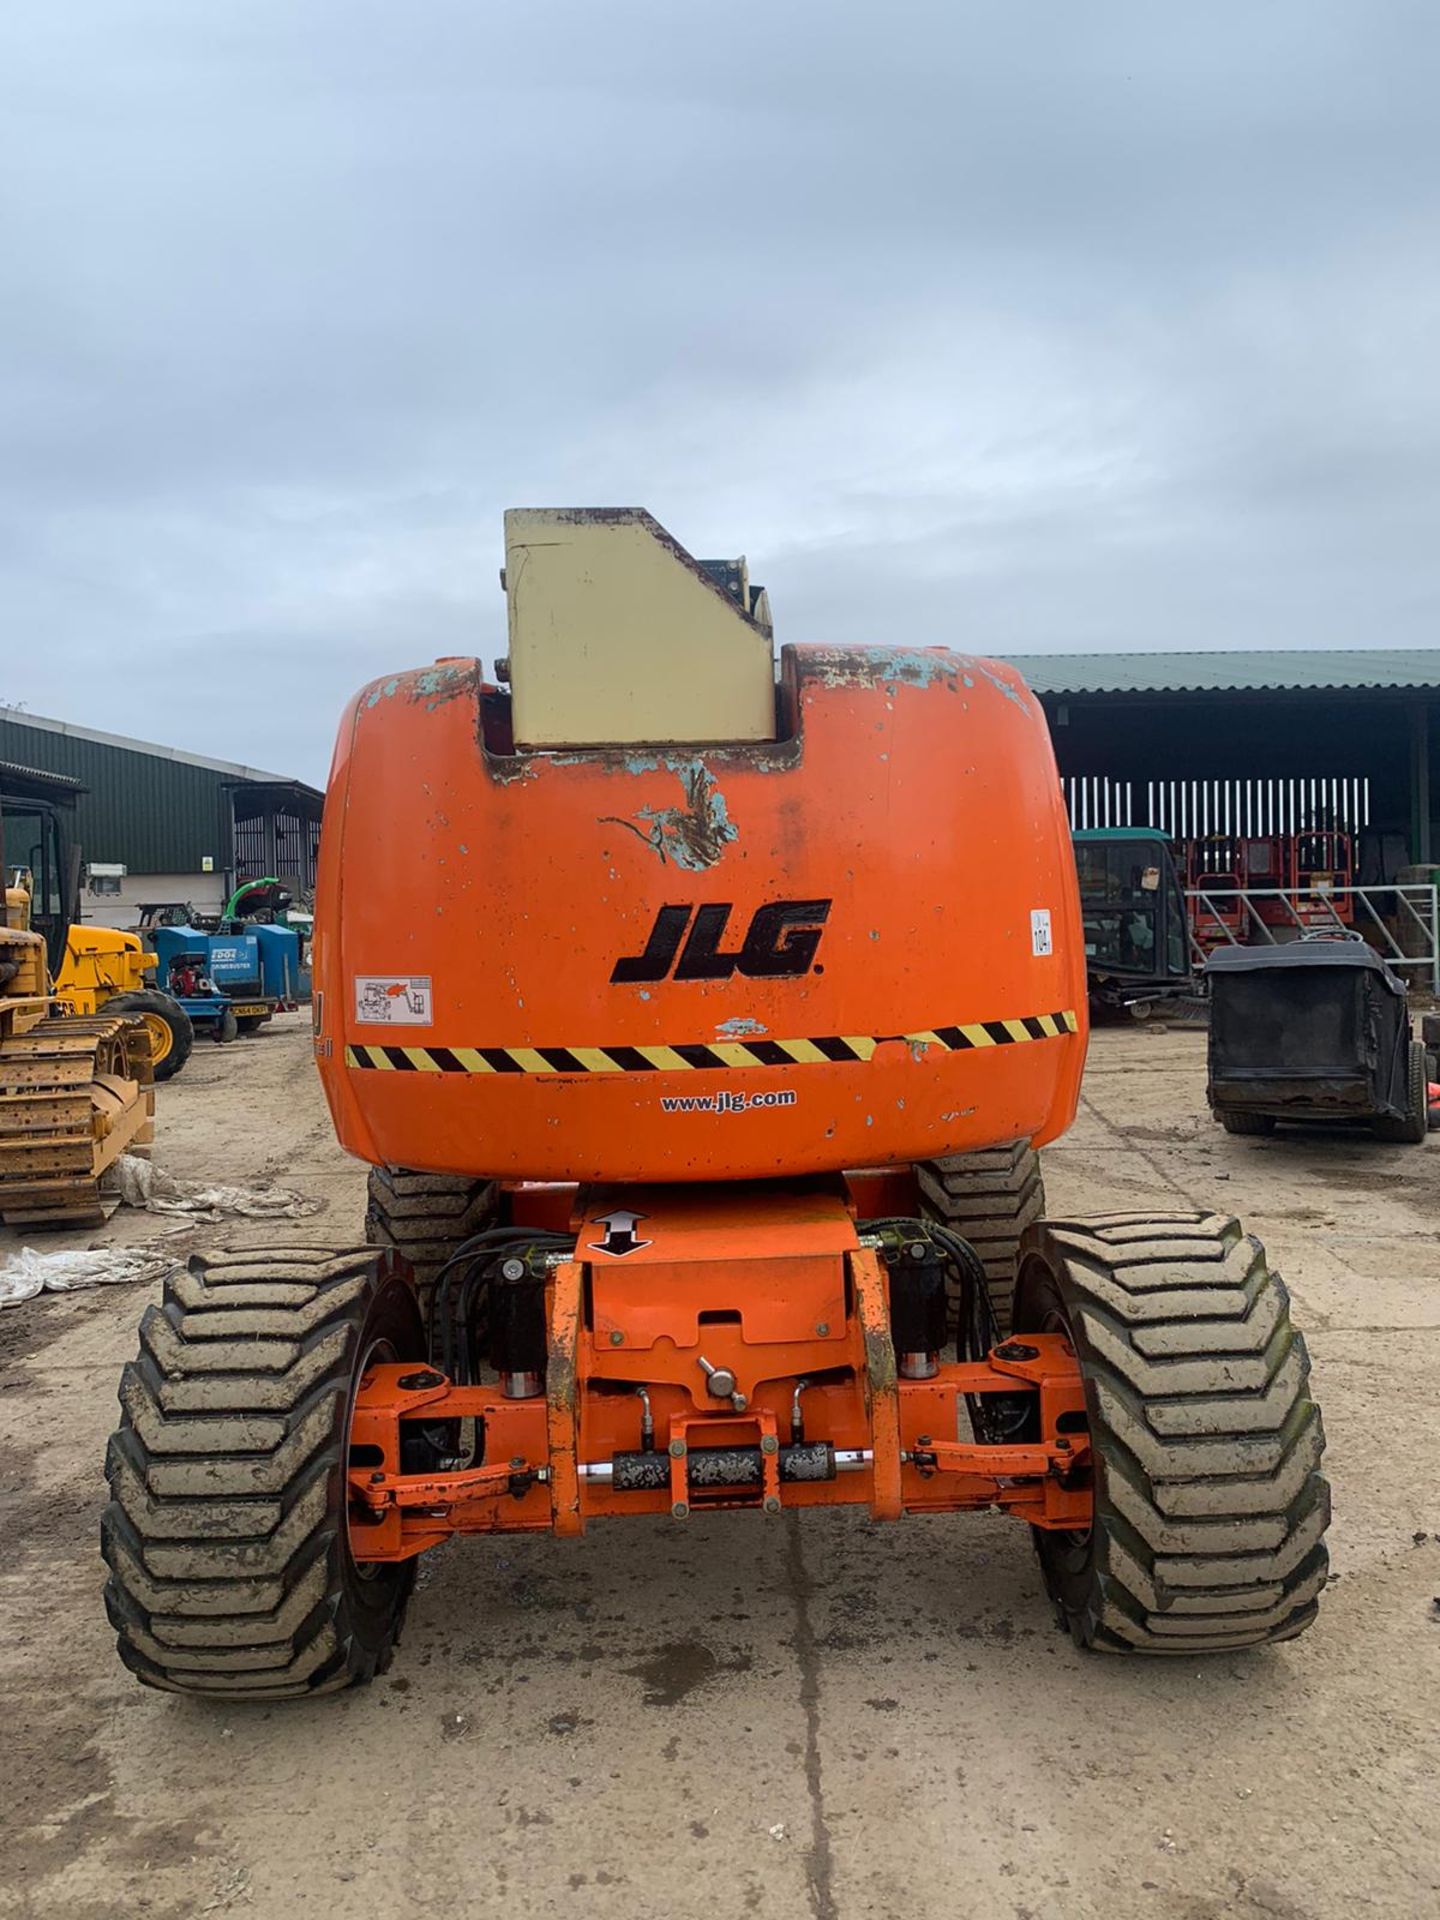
(820, 1718)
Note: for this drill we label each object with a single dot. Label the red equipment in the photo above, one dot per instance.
(1324, 876)
(1268, 868)
(1215, 868)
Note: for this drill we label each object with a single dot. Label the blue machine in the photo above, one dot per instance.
(232, 973)
(223, 975)
(280, 973)
(263, 908)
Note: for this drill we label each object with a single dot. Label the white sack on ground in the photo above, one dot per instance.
(142, 1184)
(26, 1273)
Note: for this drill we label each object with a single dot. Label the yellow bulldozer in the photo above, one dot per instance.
(104, 970)
(75, 1069)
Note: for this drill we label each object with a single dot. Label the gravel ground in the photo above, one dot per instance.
(804, 1717)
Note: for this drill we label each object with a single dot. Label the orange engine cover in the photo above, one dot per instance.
(859, 945)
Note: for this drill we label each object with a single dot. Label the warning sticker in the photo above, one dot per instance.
(1040, 937)
(393, 1000)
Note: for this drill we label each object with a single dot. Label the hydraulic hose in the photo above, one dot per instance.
(468, 1265)
(993, 1417)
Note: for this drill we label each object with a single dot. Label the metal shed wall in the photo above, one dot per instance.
(153, 814)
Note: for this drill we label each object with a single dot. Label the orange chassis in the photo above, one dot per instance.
(775, 1287)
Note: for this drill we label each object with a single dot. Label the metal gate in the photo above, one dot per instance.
(1399, 922)
(250, 848)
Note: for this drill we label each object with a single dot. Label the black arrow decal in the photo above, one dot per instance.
(620, 1236)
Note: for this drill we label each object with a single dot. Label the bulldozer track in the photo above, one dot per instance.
(74, 1095)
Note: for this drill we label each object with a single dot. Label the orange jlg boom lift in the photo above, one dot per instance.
(700, 1025)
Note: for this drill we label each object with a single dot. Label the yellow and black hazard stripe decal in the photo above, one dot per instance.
(827, 1049)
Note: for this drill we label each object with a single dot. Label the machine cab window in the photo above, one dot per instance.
(1130, 899)
(33, 855)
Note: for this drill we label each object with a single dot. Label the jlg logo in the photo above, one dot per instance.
(781, 942)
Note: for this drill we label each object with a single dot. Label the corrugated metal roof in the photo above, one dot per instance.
(1283, 670)
(20, 718)
(19, 778)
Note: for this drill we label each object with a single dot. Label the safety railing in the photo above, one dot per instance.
(1401, 922)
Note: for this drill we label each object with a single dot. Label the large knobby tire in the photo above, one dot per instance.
(226, 1534)
(425, 1216)
(171, 1034)
(1210, 1508)
(989, 1198)
(1411, 1131)
(1238, 1120)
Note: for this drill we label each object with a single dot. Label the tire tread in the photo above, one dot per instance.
(989, 1198)
(224, 1531)
(424, 1217)
(1211, 1508)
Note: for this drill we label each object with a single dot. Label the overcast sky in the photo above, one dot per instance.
(1024, 327)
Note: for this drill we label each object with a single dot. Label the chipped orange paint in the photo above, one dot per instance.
(914, 793)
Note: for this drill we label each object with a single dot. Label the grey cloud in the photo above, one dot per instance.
(1039, 327)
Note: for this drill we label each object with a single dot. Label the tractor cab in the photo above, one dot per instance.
(166, 913)
(1136, 947)
(39, 860)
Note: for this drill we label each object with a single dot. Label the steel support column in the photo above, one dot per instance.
(1420, 782)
